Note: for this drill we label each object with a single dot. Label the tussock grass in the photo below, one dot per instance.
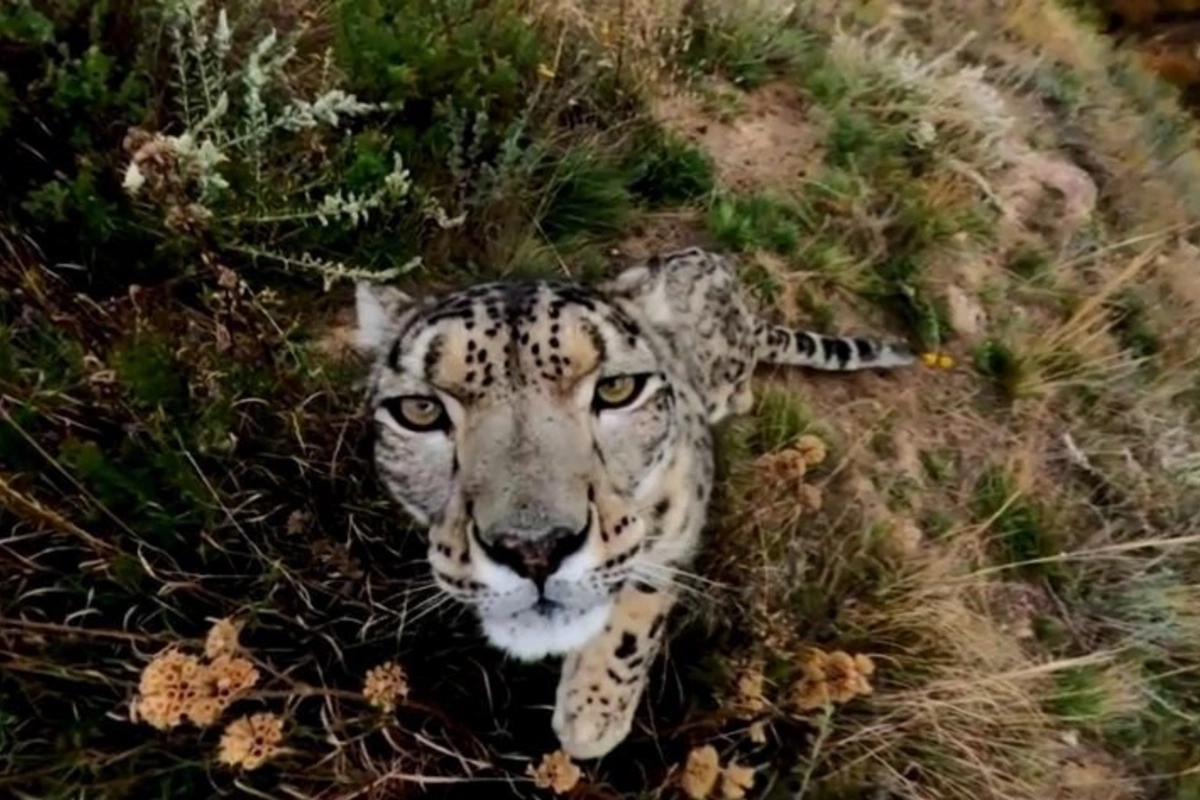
(1008, 537)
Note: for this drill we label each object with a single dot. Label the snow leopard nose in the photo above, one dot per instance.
(537, 557)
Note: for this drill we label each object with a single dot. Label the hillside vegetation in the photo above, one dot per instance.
(975, 579)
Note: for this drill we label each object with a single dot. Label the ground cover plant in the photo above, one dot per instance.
(980, 578)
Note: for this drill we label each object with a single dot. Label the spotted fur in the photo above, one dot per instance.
(556, 517)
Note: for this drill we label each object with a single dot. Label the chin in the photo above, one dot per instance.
(533, 634)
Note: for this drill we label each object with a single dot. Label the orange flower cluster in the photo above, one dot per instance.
(835, 677)
(556, 772)
(178, 687)
(788, 468)
(248, 742)
(750, 690)
(385, 685)
(703, 772)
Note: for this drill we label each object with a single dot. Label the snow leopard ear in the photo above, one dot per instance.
(378, 309)
(628, 282)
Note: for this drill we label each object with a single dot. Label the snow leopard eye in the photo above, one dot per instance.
(618, 391)
(418, 413)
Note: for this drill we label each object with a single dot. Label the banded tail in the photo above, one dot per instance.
(788, 347)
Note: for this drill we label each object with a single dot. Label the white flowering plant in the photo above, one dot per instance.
(249, 167)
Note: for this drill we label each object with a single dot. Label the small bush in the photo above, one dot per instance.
(754, 222)
(667, 171)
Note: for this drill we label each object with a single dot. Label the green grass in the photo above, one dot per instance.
(1079, 697)
(748, 46)
(756, 222)
(669, 172)
(1019, 528)
(995, 360)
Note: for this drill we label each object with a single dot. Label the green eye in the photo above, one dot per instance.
(618, 391)
(418, 413)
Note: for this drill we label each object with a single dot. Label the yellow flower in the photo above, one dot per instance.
(385, 685)
(929, 359)
(546, 71)
(700, 773)
(556, 772)
(945, 361)
(248, 742)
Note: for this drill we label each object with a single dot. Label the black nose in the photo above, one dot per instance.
(535, 557)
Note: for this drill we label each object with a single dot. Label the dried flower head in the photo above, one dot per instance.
(556, 772)
(169, 685)
(812, 449)
(786, 467)
(230, 677)
(864, 665)
(222, 638)
(810, 694)
(749, 697)
(811, 497)
(385, 685)
(297, 522)
(834, 677)
(843, 678)
(248, 742)
(700, 773)
(736, 780)
(190, 218)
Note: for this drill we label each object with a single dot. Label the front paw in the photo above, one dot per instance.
(589, 730)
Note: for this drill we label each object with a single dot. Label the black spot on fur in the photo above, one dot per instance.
(628, 645)
(432, 355)
(656, 626)
(805, 343)
(827, 351)
(841, 348)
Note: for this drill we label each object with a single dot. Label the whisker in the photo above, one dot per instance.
(668, 583)
(679, 575)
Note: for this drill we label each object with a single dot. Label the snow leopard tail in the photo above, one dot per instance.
(798, 348)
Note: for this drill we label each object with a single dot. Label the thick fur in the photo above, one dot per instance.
(526, 452)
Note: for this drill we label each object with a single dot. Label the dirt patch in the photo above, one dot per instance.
(1051, 195)
(336, 340)
(1089, 774)
(770, 145)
